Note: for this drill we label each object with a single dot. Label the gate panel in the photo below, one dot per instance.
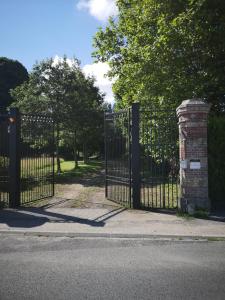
(159, 159)
(117, 157)
(4, 161)
(37, 157)
(142, 158)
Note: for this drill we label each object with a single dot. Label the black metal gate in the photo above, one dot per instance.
(37, 157)
(117, 157)
(26, 158)
(142, 158)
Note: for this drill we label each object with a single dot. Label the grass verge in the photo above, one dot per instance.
(199, 214)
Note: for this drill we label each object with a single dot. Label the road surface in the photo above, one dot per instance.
(91, 268)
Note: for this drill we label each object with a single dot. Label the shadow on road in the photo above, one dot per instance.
(34, 217)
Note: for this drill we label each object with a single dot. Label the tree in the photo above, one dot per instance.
(12, 74)
(163, 51)
(60, 89)
(85, 123)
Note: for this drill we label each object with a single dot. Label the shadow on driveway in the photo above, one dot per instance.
(34, 217)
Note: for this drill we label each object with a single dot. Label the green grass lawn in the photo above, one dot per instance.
(68, 169)
(34, 166)
(35, 163)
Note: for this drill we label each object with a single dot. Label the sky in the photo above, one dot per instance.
(32, 30)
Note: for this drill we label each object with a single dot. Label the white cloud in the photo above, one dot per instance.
(100, 9)
(98, 70)
(57, 59)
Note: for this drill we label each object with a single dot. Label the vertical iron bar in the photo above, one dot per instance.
(148, 158)
(135, 155)
(163, 178)
(152, 157)
(53, 158)
(129, 158)
(106, 163)
(14, 154)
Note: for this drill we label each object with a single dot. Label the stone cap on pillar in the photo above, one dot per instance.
(193, 106)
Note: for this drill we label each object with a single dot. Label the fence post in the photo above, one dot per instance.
(135, 155)
(14, 158)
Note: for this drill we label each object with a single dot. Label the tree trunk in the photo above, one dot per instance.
(75, 150)
(85, 156)
(57, 150)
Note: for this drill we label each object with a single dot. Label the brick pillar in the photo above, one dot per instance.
(192, 116)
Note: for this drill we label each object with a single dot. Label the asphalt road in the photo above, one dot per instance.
(68, 268)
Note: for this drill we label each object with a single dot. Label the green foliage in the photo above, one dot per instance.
(75, 103)
(12, 74)
(163, 51)
(50, 88)
(201, 214)
(184, 215)
(216, 150)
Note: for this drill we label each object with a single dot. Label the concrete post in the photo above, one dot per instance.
(192, 116)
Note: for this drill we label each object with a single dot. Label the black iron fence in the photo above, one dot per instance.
(26, 158)
(142, 158)
(159, 158)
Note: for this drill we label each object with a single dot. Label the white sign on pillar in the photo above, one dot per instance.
(195, 164)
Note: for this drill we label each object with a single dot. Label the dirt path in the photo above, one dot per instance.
(86, 192)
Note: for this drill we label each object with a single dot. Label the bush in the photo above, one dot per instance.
(216, 159)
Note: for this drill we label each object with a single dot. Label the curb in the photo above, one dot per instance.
(114, 235)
